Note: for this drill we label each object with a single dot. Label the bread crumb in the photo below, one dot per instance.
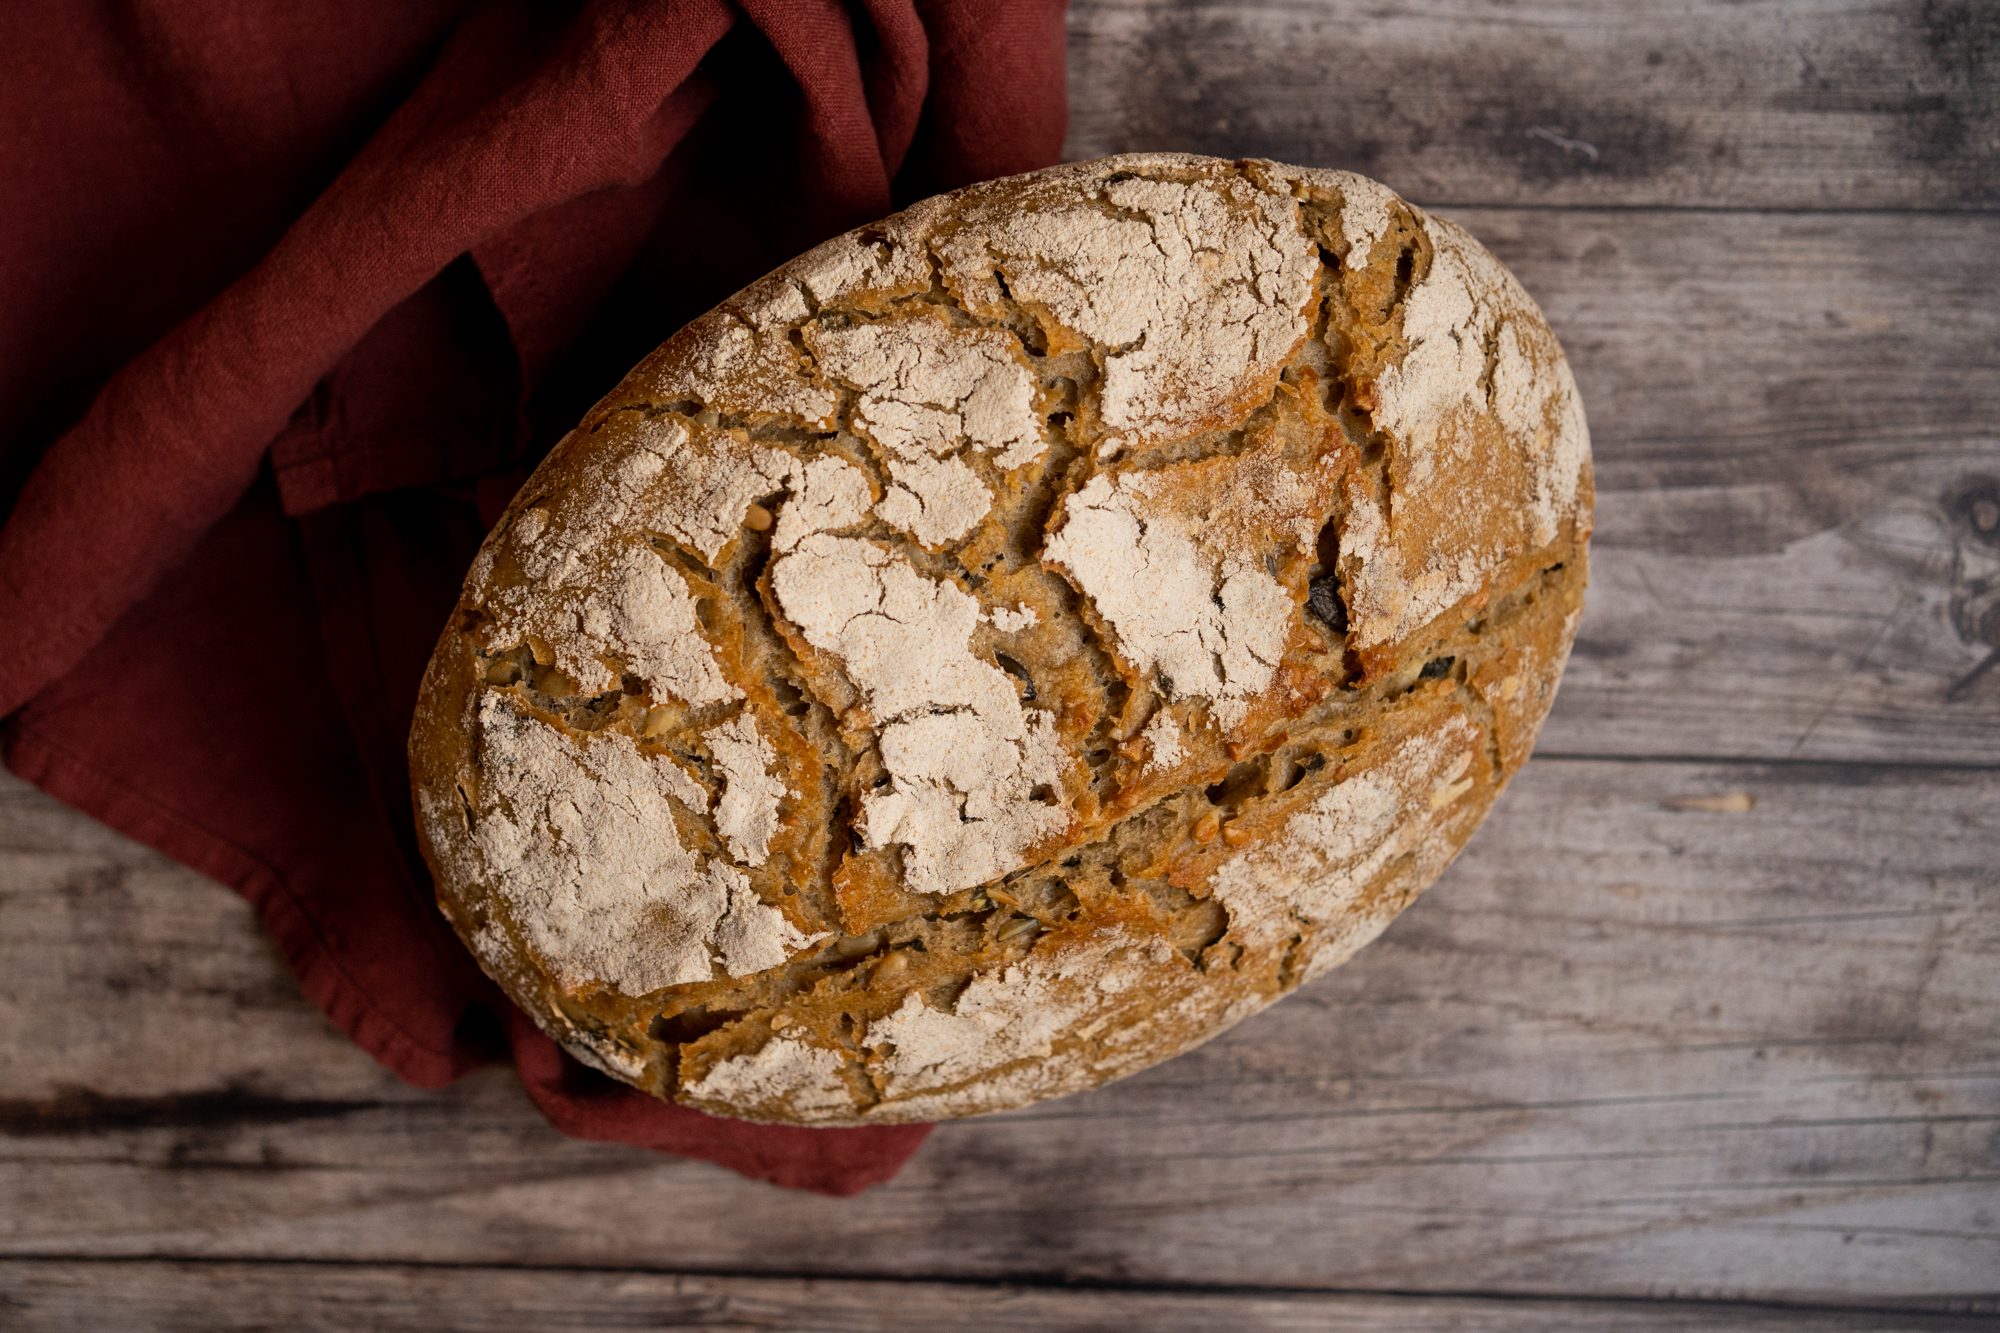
(1729, 803)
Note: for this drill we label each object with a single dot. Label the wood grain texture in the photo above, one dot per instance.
(1710, 1011)
(1787, 412)
(44, 1296)
(1776, 104)
(1624, 1048)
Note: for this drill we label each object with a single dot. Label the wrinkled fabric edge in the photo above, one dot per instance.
(301, 938)
(787, 1156)
(84, 787)
(584, 1104)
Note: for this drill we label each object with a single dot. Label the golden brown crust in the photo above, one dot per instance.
(1010, 643)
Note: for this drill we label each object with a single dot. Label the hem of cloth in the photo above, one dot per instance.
(83, 786)
(835, 1160)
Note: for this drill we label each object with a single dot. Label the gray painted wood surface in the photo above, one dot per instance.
(1784, 410)
(1625, 1047)
(1708, 1013)
(1780, 104)
(303, 1298)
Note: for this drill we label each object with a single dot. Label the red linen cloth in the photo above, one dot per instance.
(295, 295)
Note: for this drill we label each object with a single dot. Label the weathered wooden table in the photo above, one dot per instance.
(1704, 1029)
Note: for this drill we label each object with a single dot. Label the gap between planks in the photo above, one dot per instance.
(51, 1292)
(1525, 1084)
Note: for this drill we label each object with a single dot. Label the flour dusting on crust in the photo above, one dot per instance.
(925, 391)
(595, 1049)
(1440, 372)
(1022, 586)
(868, 270)
(1367, 207)
(784, 1076)
(925, 1058)
(747, 814)
(682, 785)
(604, 602)
(1316, 871)
(1163, 741)
(1012, 620)
(935, 500)
(965, 759)
(1199, 290)
(577, 837)
(1364, 215)
(1207, 624)
(926, 388)
(743, 361)
(626, 610)
(829, 494)
(1453, 425)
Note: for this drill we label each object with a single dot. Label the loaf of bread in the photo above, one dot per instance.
(1011, 643)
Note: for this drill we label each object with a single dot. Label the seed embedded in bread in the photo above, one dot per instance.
(1011, 643)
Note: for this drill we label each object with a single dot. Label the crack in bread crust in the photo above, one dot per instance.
(1057, 621)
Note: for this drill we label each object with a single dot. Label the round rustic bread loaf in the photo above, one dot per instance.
(1010, 644)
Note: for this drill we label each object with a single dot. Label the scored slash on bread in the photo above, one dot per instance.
(1010, 643)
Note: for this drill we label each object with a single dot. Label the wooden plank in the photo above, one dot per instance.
(115, 962)
(1626, 1048)
(40, 1295)
(1774, 104)
(1784, 410)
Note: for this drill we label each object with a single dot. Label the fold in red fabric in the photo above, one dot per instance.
(296, 296)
